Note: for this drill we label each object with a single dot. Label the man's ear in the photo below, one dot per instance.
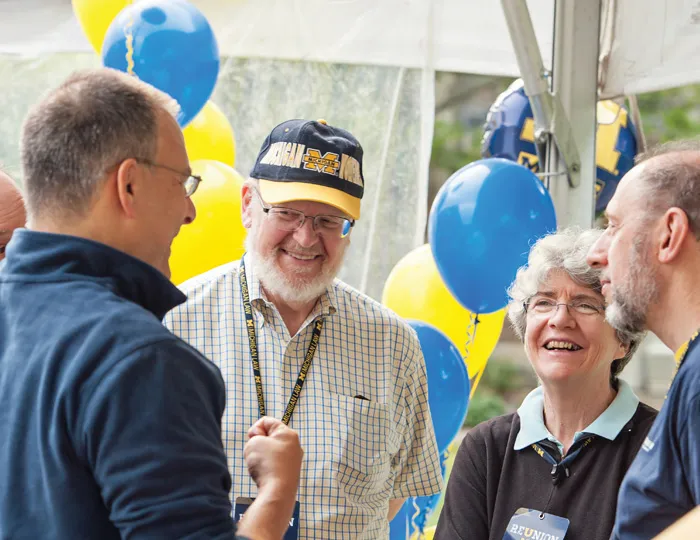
(129, 179)
(247, 202)
(672, 233)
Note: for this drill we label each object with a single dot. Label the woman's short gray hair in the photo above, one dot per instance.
(565, 250)
(94, 120)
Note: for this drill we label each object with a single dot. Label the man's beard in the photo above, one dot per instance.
(629, 309)
(300, 288)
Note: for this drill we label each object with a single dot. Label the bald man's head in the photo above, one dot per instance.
(12, 212)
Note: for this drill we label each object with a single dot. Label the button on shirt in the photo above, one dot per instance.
(362, 417)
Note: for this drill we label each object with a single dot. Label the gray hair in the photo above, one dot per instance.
(676, 182)
(565, 250)
(93, 121)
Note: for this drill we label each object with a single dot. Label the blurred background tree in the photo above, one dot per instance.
(671, 114)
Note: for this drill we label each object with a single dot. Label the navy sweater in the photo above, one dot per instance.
(663, 482)
(109, 424)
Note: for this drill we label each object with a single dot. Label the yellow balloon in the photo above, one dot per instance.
(210, 136)
(95, 16)
(428, 534)
(217, 234)
(415, 290)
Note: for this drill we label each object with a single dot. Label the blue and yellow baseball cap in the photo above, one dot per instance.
(308, 160)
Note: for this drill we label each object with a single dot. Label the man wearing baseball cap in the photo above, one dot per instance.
(295, 343)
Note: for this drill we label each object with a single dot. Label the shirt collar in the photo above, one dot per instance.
(683, 350)
(327, 305)
(607, 425)
(33, 255)
(257, 296)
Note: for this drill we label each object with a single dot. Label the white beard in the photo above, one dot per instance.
(295, 289)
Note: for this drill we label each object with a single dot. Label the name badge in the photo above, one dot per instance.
(243, 503)
(529, 524)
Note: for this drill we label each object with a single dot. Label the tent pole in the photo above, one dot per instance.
(575, 83)
(532, 71)
(564, 107)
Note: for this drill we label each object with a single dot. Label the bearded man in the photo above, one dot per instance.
(295, 343)
(650, 257)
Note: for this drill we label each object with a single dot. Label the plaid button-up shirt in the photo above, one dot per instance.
(358, 453)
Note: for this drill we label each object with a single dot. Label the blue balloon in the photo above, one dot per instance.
(174, 49)
(448, 382)
(482, 224)
(398, 527)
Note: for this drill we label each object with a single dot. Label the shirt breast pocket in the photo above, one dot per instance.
(364, 439)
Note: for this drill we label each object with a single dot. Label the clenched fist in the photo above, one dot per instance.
(273, 456)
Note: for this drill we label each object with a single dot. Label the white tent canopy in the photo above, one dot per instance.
(646, 45)
(649, 45)
(468, 36)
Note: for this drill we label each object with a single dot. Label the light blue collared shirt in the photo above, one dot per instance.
(608, 425)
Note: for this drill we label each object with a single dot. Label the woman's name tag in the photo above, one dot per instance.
(243, 503)
(529, 524)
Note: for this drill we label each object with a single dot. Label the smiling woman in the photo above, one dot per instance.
(564, 453)
(557, 297)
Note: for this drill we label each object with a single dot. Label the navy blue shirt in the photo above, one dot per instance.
(663, 482)
(109, 424)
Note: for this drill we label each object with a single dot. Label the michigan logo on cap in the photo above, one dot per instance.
(327, 163)
(297, 156)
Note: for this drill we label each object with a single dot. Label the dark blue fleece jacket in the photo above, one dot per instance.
(109, 424)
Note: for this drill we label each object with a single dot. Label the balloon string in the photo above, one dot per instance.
(471, 333)
(414, 525)
(129, 46)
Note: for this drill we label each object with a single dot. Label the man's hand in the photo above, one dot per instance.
(273, 456)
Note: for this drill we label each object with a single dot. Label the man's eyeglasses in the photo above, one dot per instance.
(287, 219)
(546, 306)
(189, 181)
